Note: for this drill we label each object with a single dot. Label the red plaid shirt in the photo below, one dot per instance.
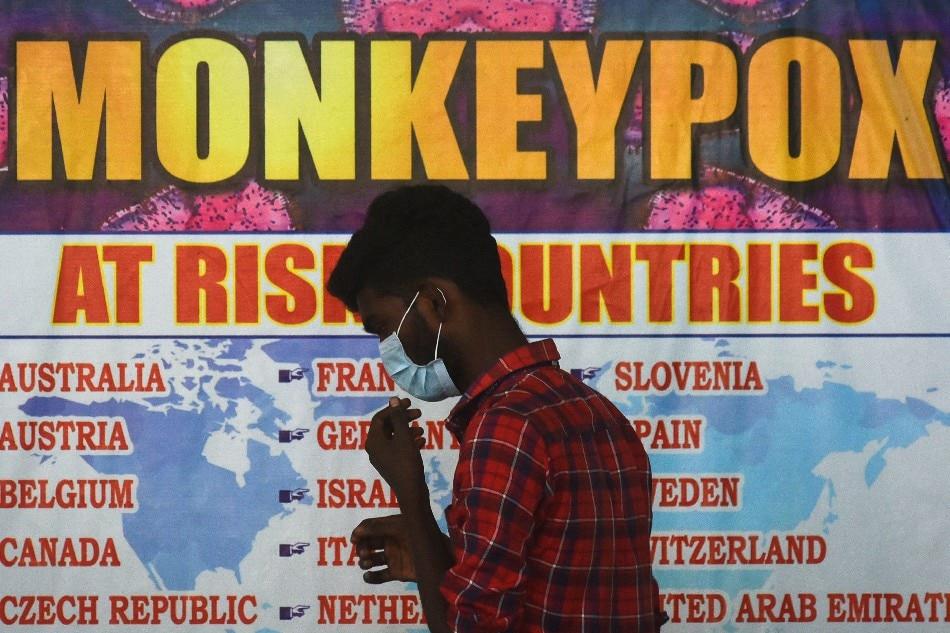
(550, 515)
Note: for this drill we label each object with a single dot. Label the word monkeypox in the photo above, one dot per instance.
(205, 110)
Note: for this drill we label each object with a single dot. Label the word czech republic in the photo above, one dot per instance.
(206, 110)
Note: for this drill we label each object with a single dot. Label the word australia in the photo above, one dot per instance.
(205, 108)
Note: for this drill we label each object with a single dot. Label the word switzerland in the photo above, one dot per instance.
(214, 111)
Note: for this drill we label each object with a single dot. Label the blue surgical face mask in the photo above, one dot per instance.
(430, 382)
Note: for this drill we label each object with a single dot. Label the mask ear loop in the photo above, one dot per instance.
(406, 313)
(438, 333)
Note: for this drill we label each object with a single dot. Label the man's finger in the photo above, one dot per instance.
(377, 427)
(413, 413)
(374, 530)
(402, 403)
(379, 418)
(360, 532)
(373, 559)
(383, 413)
(399, 420)
(366, 546)
(370, 530)
(378, 576)
(397, 413)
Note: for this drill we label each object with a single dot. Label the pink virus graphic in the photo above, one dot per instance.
(633, 135)
(742, 40)
(250, 208)
(941, 113)
(4, 122)
(751, 11)
(182, 11)
(725, 200)
(430, 16)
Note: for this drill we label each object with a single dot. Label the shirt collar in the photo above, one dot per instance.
(528, 355)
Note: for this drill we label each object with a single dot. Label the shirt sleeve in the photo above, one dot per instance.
(500, 483)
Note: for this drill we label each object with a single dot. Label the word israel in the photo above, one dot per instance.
(210, 101)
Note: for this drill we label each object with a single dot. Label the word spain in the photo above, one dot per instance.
(205, 108)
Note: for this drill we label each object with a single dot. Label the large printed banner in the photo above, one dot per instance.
(729, 215)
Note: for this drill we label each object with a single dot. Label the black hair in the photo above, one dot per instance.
(415, 232)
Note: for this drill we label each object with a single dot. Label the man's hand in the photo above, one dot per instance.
(393, 449)
(384, 541)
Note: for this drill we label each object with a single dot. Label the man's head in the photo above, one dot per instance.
(418, 232)
(429, 240)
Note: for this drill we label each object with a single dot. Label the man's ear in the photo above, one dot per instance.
(436, 301)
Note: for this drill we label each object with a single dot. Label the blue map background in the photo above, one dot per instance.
(193, 516)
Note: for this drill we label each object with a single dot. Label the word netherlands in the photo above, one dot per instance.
(292, 110)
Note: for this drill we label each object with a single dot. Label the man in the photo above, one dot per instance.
(550, 517)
